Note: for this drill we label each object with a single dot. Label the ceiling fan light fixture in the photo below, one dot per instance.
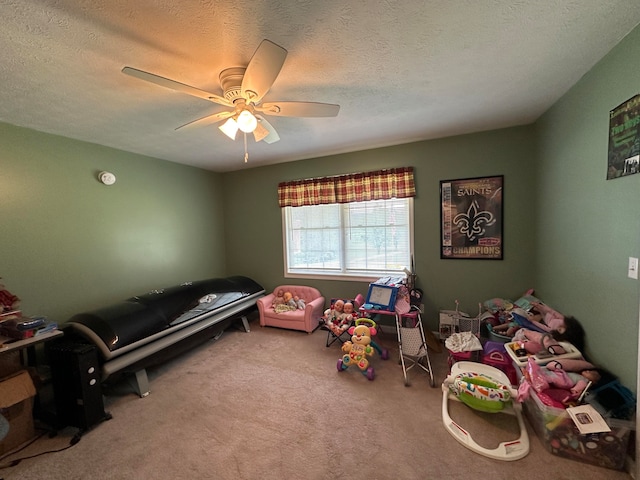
(247, 122)
(229, 128)
(243, 90)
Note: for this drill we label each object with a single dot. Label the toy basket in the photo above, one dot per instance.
(496, 337)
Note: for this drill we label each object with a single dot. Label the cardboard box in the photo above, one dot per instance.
(559, 434)
(10, 363)
(16, 405)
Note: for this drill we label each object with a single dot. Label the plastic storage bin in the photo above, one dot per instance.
(512, 348)
(496, 337)
(561, 437)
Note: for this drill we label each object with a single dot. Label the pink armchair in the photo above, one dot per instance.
(306, 320)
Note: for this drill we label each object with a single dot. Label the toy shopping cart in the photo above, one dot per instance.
(455, 321)
(412, 344)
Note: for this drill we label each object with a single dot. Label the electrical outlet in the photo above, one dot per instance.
(632, 272)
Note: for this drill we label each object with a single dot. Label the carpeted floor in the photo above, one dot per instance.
(270, 404)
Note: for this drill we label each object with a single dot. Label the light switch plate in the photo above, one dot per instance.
(632, 271)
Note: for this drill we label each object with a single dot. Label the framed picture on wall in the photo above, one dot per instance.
(624, 139)
(471, 218)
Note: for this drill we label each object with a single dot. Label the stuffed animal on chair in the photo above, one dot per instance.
(348, 312)
(334, 317)
(334, 313)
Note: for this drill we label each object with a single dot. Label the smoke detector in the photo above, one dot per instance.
(107, 178)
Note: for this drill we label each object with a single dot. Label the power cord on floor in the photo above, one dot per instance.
(74, 440)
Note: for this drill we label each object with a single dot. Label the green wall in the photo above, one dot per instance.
(70, 243)
(568, 231)
(254, 231)
(588, 226)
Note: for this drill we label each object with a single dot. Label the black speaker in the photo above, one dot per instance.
(75, 374)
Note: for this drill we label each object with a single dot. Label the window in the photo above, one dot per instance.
(358, 225)
(363, 240)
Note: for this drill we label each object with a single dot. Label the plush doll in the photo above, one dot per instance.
(288, 300)
(570, 330)
(300, 303)
(284, 304)
(561, 327)
(347, 312)
(334, 313)
(534, 342)
(335, 318)
(403, 304)
(278, 299)
(560, 382)
(580, 371)
(8, 301)
(509, 329)
(551, 319)
(552, 387)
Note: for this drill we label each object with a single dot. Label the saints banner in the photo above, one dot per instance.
(471, 218)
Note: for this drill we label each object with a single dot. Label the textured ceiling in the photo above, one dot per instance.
(401, 71)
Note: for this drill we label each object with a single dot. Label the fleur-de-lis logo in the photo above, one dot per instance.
(474, 221)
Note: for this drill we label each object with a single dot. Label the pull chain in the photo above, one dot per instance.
(246, 153)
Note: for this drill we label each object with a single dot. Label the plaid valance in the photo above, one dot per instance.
(353, 187)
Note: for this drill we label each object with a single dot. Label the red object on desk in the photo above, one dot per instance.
(15, 333)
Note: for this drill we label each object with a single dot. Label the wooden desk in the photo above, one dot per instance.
(26, 345)
(8, 344)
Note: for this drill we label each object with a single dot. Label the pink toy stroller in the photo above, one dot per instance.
(412, 344)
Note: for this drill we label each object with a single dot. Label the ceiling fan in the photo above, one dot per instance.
(243, 90)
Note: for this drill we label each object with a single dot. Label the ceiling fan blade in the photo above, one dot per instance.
(216, 117)
(273, 136)
(260, 133)
(262, 71)
(173, 85)
(299, 109)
